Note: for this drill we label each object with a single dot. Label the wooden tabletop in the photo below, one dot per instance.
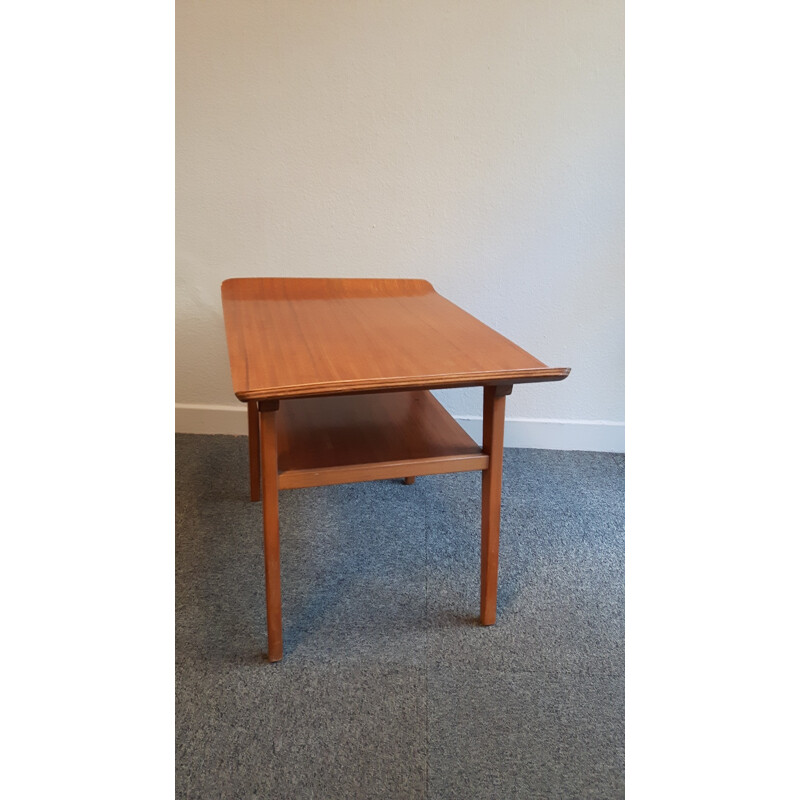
(298, 337)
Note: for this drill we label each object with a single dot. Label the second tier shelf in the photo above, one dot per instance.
(343, 439)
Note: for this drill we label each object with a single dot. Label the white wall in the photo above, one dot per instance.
(478, 145)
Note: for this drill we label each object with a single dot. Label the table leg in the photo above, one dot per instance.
(267, 412)
(494, 408)
(255, 450)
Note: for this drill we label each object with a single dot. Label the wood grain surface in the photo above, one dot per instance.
(295, 337)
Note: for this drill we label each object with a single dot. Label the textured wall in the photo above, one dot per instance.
(478, 145)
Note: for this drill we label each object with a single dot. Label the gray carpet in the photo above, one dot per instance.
(388, 687)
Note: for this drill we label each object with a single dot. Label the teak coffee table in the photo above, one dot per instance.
(336, 375)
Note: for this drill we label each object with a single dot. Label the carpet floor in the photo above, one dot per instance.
(389, 687)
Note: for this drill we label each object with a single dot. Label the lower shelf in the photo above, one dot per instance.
(346, 439)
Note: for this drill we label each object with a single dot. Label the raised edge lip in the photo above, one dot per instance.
(548, 374)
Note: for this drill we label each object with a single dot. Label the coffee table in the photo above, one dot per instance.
(337, 373)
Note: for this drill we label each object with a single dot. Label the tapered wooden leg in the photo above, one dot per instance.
(494, 411)
(255, 450)
(409, 481)
(267, 412)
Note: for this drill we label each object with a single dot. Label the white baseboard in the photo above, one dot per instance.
(230, 420)
(544, 434)
(555, 434)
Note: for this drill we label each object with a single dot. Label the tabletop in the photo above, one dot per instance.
(299, 337)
